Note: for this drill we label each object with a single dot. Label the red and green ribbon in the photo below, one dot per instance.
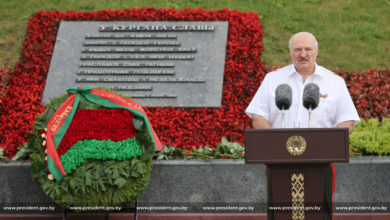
(60, 121)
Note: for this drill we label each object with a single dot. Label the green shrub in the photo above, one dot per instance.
(371, 137)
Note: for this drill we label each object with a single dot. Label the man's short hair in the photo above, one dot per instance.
(307, 33)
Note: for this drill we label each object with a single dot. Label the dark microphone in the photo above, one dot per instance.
(283, 96)
(311, 96)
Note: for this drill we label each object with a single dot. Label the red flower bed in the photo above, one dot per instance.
(370, 91)
(175, 126)
(184, 128)
(5, 75)
(102, 124)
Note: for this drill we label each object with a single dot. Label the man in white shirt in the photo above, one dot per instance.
(335, 108)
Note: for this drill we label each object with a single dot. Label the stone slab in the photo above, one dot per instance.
(196, 184)
(179, 64)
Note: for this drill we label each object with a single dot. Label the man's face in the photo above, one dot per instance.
(303, 52)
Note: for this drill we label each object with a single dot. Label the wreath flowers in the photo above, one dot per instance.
(96, 143)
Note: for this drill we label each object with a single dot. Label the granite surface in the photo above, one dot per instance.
(195, 184)
(187, 73)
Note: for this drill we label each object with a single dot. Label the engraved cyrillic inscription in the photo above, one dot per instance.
(126, 72)
(132, 88)
(131, 36)
(137, 57)
(153, 96)
(138, 50)
(125, 28)
(156, 63)
(133, 65)
(131, 43)
(141, 80)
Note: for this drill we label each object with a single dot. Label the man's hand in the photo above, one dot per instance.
(260, 122)
(346, 124)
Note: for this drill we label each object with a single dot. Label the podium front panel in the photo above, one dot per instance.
(271, 146)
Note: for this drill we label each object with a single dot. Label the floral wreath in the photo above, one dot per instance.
(93, 147)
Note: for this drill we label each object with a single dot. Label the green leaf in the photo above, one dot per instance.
(134, 174)
(73, 184)
(115, 172)
(44, 119)
(120, 182)
(140, 168)
(122, 171)
(88, 178)
(23, 152)
(83, 190)
(138, 124)
(161, 157)
(101, 184)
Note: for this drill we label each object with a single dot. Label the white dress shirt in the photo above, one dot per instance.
(335, 104)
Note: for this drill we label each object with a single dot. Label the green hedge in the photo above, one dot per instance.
(371, 137)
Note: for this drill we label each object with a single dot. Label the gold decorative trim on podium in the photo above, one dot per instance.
(298, 194)
(296, 145)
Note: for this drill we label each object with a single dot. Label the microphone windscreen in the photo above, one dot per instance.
(311, 96)
(283, 96)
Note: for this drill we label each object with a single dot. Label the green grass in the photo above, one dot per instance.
(352, 34)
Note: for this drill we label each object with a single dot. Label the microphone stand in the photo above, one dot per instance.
(310, 116)
(283, 111)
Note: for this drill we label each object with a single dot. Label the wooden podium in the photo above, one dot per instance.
(296, 160)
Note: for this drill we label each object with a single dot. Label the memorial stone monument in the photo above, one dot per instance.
(179, 64)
